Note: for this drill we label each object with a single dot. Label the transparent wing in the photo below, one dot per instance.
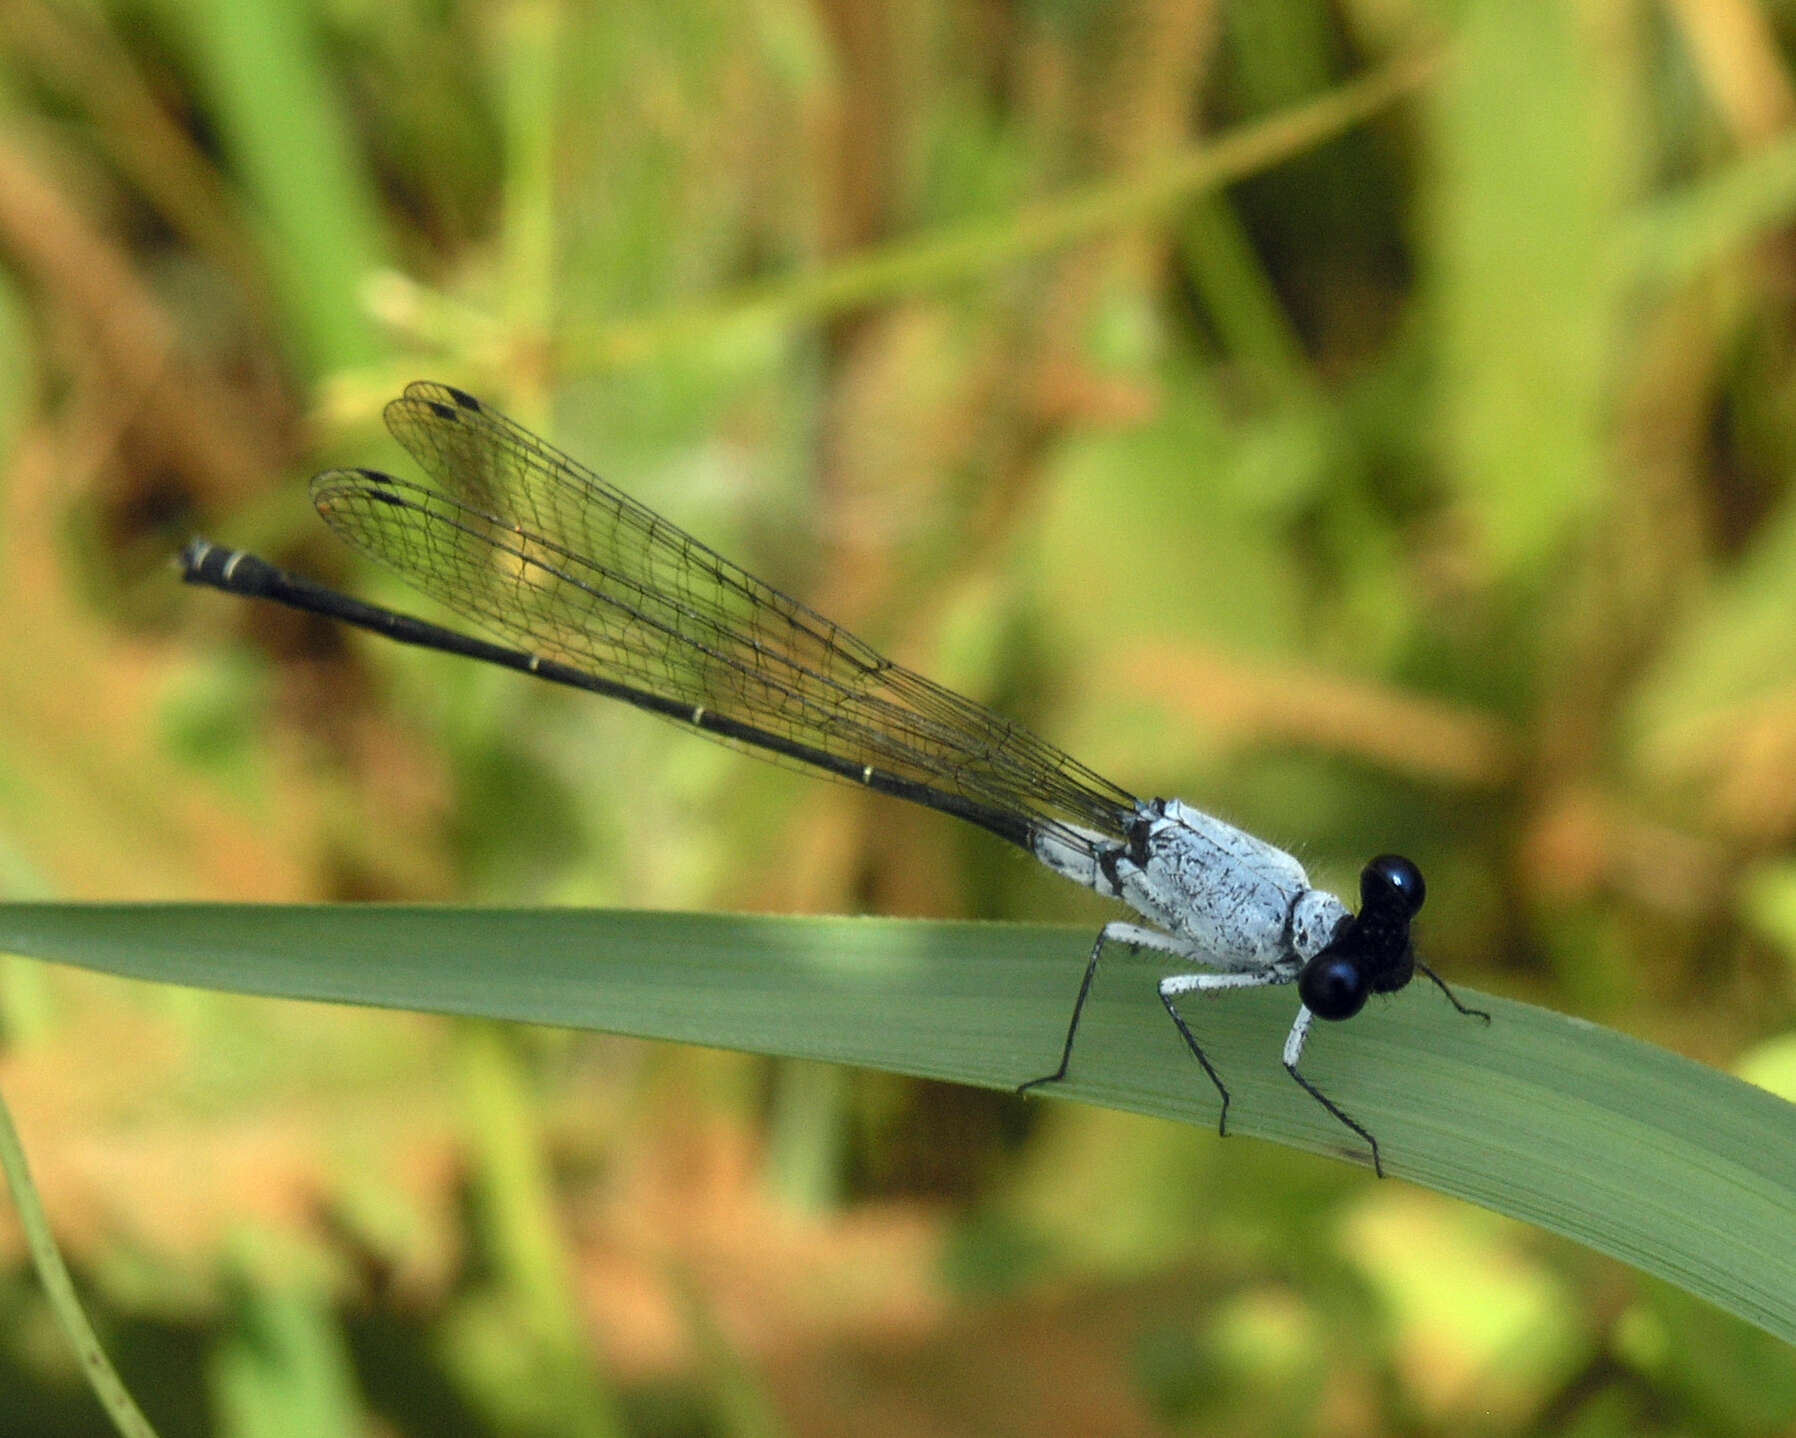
(537, 550)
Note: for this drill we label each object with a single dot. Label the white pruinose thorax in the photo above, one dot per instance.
(1229, 900)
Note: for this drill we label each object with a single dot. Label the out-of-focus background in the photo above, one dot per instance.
(1427, 489)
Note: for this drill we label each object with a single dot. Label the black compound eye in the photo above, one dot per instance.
(1392, 882)
(1332, 986)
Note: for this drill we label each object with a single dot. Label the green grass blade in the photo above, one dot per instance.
(954, 254)
(96, 1367)
(1682, 1171)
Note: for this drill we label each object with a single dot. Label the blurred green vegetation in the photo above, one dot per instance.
(1425, 488)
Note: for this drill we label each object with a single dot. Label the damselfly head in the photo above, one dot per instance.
(1371, 954)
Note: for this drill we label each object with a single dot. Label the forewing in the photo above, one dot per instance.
(535, 548)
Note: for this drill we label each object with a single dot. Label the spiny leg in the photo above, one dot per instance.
(1136, 937)
(1452, 997)
(1293, 1052)
(1177, 984)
